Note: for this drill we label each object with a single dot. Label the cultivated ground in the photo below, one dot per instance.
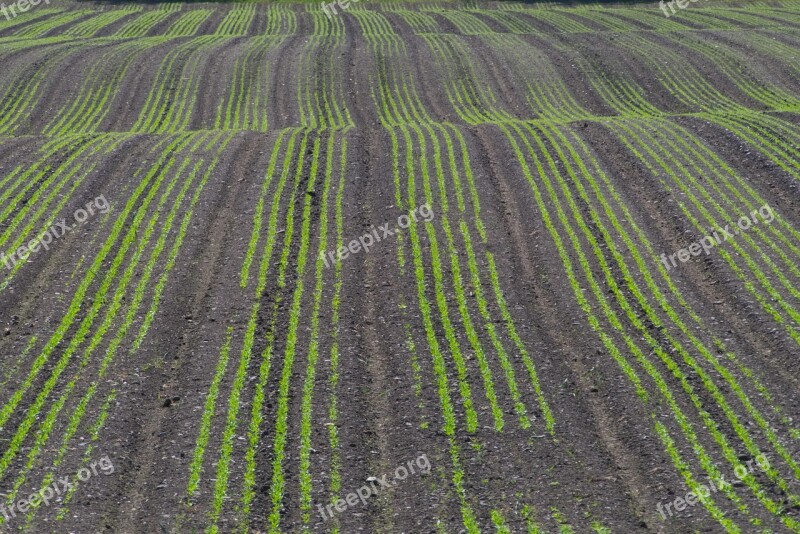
(536, 264)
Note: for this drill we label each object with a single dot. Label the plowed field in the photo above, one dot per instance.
(419, 267)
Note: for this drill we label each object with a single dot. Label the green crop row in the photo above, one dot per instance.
(231, 424)
(93, 101)
(458, 97)
(139, 235)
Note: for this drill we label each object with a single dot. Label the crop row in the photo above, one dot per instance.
(268, 436)
(563, 172)
(144, 236)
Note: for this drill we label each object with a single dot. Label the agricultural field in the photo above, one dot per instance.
(397, 266)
